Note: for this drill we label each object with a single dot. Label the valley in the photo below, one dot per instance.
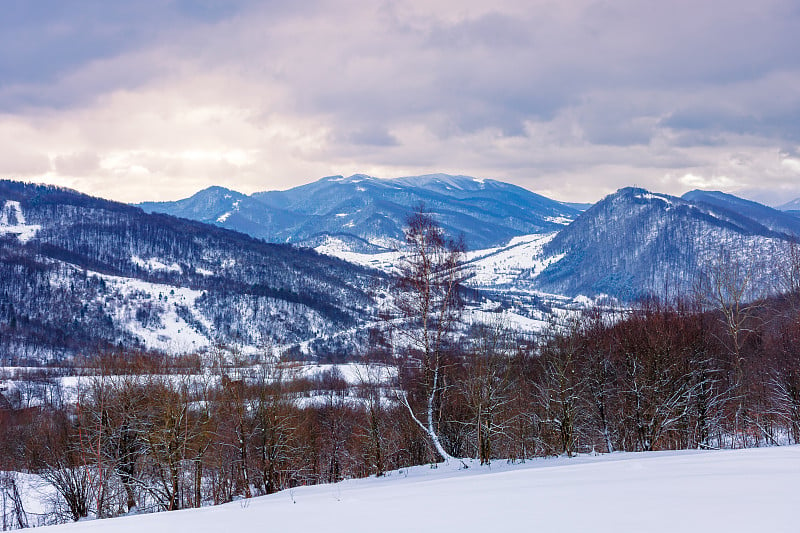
(154, 363)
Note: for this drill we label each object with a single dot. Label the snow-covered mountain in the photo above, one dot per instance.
(792, 207)
(79, 273)
(772, 219)
(635, 243)
(366, 212)
(232, 210)
(630, 245)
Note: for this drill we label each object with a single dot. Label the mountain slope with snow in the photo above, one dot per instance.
(635, 244)
(231, 210)
(369, 212)
(81, 274)
(772, 219)
(696, 491)
(792, 205)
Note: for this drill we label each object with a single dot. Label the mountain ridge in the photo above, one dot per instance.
(114, 276)
(83, 271)
(486, 212)
(662, 245)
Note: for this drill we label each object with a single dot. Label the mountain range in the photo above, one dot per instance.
(370, 213)
(630, 245)
(80, 274)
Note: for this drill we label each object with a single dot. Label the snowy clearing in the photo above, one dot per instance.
(172, 333)
(731, 491)
(12, 221)
(502, 266)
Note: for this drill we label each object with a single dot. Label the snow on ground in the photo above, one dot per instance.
(25, 393)
(513, 265)
(652, 196)
(502, 266)
(37, 496)
(12, 220)
(352, 373)
(507, 319)
(155, 263)
(693, 491)
(385, 261)
(171, 333)
(490, 267)
(559, 220)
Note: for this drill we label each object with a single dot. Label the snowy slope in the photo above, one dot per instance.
(504, 274)
(635, 244)
(85, 275)
(488, 268)
(731, 491)
(12, 221)
(497, 267)
(170, 332)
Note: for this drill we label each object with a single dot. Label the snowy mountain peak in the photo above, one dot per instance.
(639, 193)
(446, 181)
(793, 205)
(373, 211)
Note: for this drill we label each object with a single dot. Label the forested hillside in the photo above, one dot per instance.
(85, 273)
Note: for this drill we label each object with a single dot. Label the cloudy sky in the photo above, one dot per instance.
(156, 99)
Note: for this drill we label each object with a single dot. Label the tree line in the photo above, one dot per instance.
(661, 377)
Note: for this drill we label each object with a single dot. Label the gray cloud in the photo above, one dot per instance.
(77, 164)
(574, 98)
(372, 135)
(45, 41)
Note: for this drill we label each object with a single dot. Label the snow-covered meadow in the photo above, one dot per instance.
(732, 491)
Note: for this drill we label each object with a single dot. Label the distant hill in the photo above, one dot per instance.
(793, 207)
(773, 219)
(635, 243)
(369, 212)
(80, 273)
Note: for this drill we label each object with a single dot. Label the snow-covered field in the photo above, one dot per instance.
(507, 271)
(731, 491)
(496, 267)
(491, 267)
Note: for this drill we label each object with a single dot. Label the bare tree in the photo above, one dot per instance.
(731, 290)
(14, 515)
(370, 382)
(560, 386)
(486, 384)
(597, 366)
(427, 307)
(274, 424)
(61, 462)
